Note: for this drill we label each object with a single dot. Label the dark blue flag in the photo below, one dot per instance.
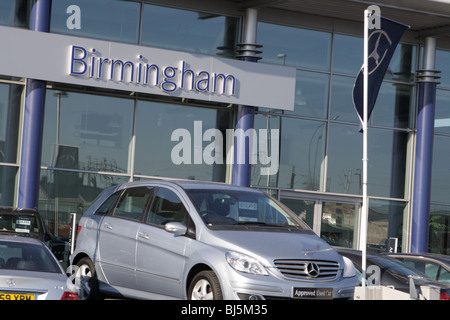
(382, 44)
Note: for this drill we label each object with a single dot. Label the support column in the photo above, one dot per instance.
(424, 148)
(245, 114)
(33, 119)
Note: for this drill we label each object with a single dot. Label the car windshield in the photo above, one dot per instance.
(19, 223)
(223, 207)
(25, 256)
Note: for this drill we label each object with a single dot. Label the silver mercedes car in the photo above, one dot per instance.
(197, 240)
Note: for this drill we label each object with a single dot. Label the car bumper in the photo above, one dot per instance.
(257, 287)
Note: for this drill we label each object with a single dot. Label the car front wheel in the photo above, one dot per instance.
(205, 286)
(86, 279)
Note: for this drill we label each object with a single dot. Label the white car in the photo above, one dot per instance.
(197, 240)
(29, 271)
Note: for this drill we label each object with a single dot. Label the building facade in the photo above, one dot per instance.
(285, 70)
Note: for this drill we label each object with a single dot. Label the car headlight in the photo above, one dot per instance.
(244, 263)
(349, 268)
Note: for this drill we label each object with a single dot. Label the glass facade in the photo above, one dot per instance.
(95, 138)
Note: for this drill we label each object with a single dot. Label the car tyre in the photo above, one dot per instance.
(86, 279)
(205, 286)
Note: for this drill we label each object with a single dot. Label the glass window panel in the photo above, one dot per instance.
(14, 13)
(393, 106)
(442, 58)
(311, 94)
(386, 161)
(439, 230)
(294, 46)
(265, 171)
(303, 208)
(189, 31)
(10, 101)
(338, 224)
(385, 221)
(8, 181)
(440, 175)
(100, 19)
(442, 112)
(302, 150)
(347, 54)
(62, 193)
(94, 132)
(157, 152)
(341, 104)
(402, 64)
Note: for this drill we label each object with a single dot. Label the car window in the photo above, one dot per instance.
(25, 224)
(132, 203)
(30, 257)
(167, 207)
(232, 207)
(444, 276)
(108, 204)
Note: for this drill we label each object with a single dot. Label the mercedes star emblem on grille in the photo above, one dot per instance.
(312, 269)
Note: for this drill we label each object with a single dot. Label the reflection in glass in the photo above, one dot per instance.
(392, 109)
(442, 58)
(294, 46)
(100, 19)
(338, 224)
(302, 208)
(341, 101)
(60, 195)
(347, 54)
(302, 150)
(440, 175)
(311, 94)
(386, 154)
(189, 31)
(8, 178)
(439, 232)
(385, 221)
(14, 13)
(165, 131)
(87, 132)
(10, 101)
(442, 112)
(394, 105)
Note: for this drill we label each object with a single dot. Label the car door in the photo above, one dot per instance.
(160, 258)
(117, 237)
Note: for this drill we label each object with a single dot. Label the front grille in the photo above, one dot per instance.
(307, 269)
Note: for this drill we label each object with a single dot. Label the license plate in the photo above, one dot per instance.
(312, 293)
(16, 296)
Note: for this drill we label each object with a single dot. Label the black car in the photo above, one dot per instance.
(23, 222)
(435, 266)
(391, 273)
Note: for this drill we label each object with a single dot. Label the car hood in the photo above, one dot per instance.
(268, 246)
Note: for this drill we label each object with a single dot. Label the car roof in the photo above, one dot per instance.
(187, 184)
(18, 238)
(435, 256)
(14, 210)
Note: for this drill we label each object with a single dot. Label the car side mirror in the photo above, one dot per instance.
(176, 228)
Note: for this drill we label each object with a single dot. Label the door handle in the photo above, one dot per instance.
(108, 225)
(143, 235)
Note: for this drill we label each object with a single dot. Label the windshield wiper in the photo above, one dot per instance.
(258, 223)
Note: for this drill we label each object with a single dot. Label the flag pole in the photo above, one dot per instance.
(363, 222)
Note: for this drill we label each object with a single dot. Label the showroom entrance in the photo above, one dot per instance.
(334, 219)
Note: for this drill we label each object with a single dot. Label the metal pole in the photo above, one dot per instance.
(424, 148)
(33, 119)
(364, 209)
(245, 114)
